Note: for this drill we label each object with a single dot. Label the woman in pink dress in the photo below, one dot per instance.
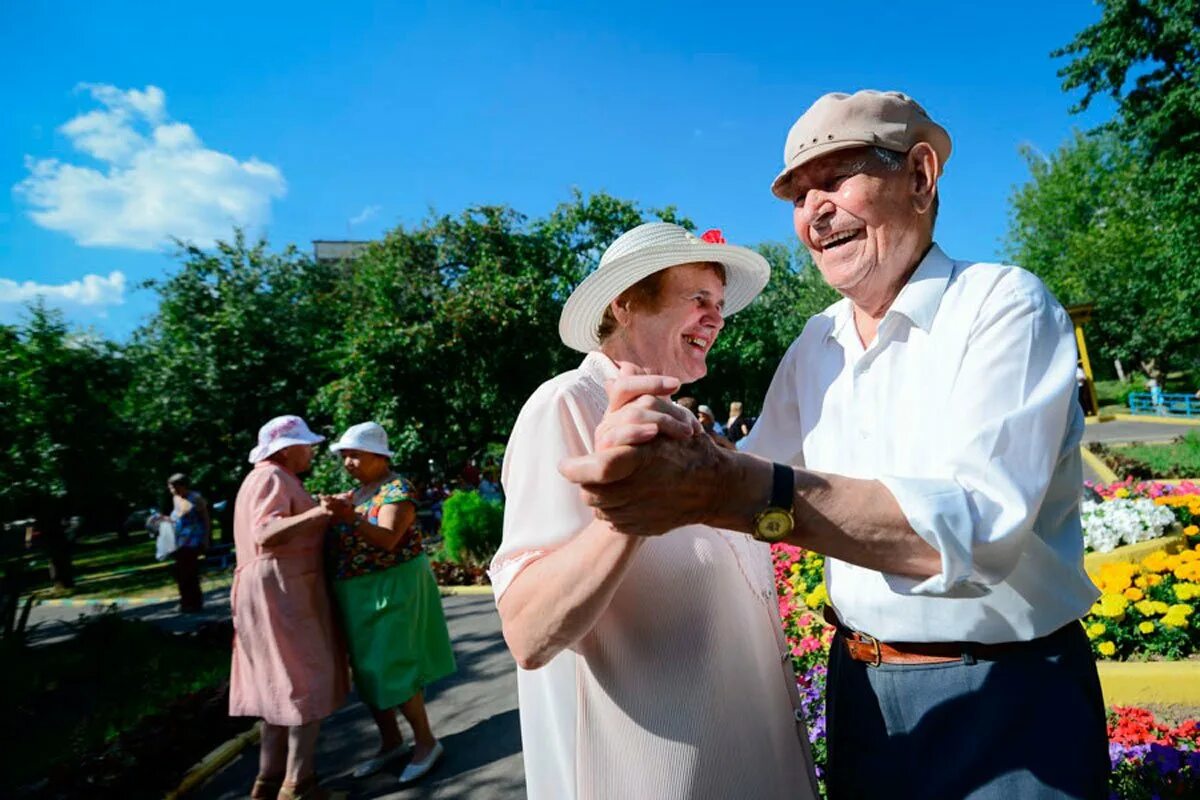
(288, 666)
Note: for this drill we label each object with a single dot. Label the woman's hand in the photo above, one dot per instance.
(338, 506)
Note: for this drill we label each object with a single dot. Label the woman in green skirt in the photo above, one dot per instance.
(388, 602)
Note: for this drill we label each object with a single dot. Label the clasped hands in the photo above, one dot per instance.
(653, 468)
(338, 506)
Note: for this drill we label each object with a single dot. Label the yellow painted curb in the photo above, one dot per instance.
(211, 763)
(450, 591)
(1098, 420)
(1157, 419)
(1136, 683)
(1133, 553)
(1099, 467)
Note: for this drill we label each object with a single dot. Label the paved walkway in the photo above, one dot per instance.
(1120, 430)
(474, 713)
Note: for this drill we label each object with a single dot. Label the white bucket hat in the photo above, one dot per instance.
(643, 251)
(282, 432)
(369, 437)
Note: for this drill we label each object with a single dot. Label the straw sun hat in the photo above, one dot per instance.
(643, 251)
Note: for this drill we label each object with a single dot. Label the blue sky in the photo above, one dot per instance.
(129, 122)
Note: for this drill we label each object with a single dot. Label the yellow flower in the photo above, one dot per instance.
(1112, 606)
(1182, 609)
(1122, 493)
(1175, 621)
(1156, 561)
(1141, 582)
(1186, 591)
(1096, 629)
(817, 597)
(1134, 594)
(1153, 580)
(1146, 608)
(1146, 627)
(1191, 530)
(1107, 648)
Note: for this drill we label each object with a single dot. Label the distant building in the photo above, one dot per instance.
(327, 250)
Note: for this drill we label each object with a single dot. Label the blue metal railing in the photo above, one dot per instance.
(1170, 404)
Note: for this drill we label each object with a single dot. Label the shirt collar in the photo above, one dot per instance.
(918, 300)
(921, 296)
(599, 367)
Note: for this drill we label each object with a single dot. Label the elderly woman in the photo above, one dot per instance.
(193, 529)
(649, 667)
(288, 667)
(388, 601)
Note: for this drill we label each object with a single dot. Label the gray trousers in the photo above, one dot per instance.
(1029, 725)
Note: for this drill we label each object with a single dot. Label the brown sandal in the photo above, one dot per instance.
(266, 788)
(307, 789)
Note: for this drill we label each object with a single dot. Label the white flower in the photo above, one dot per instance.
(1113, 523)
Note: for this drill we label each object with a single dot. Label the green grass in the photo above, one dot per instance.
(105, 567)
(70, 698)
(1179, 459)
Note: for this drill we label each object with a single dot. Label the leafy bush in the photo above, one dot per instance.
(471, 527)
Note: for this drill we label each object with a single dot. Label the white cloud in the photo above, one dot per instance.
(91, 290)
(156, 178)
(367, 213)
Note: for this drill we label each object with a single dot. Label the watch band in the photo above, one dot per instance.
(783, 487)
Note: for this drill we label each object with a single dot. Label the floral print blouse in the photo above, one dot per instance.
(349, 555)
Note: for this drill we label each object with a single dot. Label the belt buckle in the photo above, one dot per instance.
(871, 640)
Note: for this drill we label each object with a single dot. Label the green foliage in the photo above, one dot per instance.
(1095, 224)
(241, 335)
(471, 527)
(60, 392)
(68, 698)
(439, 332)
(1179, 459)
(1123, 204)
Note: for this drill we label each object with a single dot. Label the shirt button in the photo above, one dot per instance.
(798, 715)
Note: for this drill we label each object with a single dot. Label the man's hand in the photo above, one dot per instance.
(649, 489)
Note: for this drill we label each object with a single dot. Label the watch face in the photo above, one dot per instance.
(773, 525)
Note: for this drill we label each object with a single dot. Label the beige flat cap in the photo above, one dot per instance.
(838, 121)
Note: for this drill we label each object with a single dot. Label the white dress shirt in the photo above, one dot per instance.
(964, 408)
(683, 690)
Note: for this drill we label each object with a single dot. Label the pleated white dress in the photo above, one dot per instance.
(684, 688)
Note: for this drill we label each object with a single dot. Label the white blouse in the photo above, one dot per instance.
(684, 688)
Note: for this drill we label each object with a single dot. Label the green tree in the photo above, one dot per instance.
(241, 334)
(450, 326)
(1113, 216)
(1092, 223)
(60, 391)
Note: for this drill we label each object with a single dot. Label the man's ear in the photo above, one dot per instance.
(924, 166)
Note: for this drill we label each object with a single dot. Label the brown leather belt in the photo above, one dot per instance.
(864, 647)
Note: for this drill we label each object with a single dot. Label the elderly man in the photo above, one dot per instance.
(925, 438)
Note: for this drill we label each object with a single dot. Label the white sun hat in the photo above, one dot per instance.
(282, 432)
(643, 251)
(369, 437)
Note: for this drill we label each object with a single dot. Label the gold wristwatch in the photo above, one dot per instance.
(775, 522)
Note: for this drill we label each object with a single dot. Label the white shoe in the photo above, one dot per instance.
(417, 769)
(376, 763)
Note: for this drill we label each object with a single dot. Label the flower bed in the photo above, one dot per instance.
(1111, 523)
(1149, 758)
(1146, 609)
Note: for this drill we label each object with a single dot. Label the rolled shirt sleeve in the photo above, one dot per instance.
(1010, 411)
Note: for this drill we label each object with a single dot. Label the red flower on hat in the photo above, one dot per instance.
(713, 236)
